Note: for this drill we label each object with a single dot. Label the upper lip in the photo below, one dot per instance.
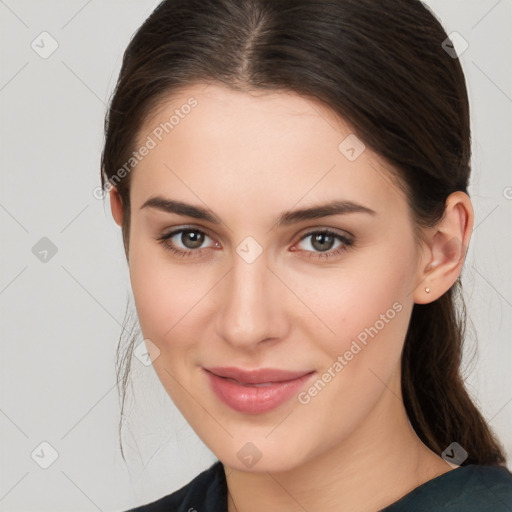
(257, 375)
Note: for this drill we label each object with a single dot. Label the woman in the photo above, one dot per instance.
(291, 182)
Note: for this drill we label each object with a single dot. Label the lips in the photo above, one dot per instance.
(255, 391)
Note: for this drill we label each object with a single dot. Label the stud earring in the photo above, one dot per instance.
(427, 290)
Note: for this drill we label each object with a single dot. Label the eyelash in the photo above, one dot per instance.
(346, 243)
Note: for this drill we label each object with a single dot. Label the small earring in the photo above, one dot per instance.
(427, 290)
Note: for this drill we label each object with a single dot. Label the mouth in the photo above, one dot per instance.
(255, 391)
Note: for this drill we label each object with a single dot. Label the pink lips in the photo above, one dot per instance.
(255, 391)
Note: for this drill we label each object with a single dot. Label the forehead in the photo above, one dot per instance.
(265, 146)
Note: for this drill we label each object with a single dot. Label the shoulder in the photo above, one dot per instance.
(206, 492)
(472, 488)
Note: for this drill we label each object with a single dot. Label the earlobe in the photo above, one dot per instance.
(447, 247)
(116, 206)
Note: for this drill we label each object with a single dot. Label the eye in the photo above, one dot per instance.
(325, 243)
(185, 241)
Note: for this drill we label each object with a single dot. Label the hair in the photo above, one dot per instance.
(378, 64)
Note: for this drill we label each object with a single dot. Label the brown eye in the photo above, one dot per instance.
(187, 242)
(324, 243)
(192, 238)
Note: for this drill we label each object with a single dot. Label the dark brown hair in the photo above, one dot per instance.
(380, 65)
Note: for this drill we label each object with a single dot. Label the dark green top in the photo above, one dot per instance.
(467, 488)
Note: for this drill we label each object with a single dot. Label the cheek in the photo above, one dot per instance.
(364, 307)
(166, 295)
(368, 308)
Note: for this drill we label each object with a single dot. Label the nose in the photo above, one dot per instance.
(251, 305)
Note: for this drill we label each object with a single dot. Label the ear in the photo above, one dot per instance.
(116, 205)
(445, 249)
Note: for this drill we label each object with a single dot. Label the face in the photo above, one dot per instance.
(273, 272)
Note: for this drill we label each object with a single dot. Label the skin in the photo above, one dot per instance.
(247, 157)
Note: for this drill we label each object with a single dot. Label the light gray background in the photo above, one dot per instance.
(60, 319)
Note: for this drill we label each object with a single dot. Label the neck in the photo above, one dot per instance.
(379, 463)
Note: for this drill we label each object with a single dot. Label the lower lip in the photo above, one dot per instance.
(252, 399)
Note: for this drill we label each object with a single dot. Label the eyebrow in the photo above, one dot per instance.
(284, 219)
